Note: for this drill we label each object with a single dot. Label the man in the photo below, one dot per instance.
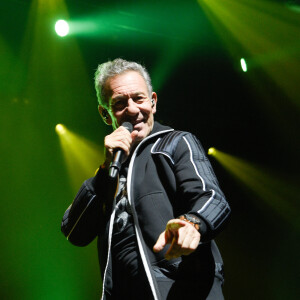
(155, 233)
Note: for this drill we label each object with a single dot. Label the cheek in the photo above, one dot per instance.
(147, 110)
(118, 116)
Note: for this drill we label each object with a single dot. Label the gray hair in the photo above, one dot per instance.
(113, 68)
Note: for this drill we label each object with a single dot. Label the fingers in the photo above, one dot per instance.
(160, 243)
(185, 239)
(188, 237)
(134, 134)
(173, 250)
(120, 138)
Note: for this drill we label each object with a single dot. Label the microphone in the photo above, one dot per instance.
(115, 165)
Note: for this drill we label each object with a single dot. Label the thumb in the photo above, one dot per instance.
(160, 243)
(134, 134)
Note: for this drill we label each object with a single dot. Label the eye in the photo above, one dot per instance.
(119, 105)
(139, 99)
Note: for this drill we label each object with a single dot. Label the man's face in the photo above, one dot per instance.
(129, 101)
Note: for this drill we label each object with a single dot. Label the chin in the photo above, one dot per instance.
(141, 135)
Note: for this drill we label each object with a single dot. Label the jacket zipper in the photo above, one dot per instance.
(140, 246)
(143, 255)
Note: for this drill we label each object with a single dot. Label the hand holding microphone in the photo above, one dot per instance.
(117, 144)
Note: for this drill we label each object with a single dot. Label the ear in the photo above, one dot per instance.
(154, 102)
(104, 115)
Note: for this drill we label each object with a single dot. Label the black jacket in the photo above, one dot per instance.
(169, 175)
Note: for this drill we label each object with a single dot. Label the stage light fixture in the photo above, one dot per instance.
(62, 28)
(60, 129)
(243, 64)
(211, 151)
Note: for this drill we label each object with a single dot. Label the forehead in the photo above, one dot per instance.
(129, 82)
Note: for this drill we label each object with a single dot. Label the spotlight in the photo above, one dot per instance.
(211, 151)
(243, 64)
(62, 28)
(60, 129)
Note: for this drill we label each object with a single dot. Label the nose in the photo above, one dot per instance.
(132, 108)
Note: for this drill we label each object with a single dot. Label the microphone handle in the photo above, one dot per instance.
(115, 165)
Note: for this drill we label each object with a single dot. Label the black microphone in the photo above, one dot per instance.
(115, 165)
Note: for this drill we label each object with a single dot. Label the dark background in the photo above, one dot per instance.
(193, 60)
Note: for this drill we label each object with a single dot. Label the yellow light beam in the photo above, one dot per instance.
(274, 191)
(265, 31)
(82, 157)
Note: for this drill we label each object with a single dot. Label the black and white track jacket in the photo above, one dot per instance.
(169, 175)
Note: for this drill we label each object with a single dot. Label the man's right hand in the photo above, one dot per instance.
(121, 138)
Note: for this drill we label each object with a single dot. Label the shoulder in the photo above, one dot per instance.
(169, 143)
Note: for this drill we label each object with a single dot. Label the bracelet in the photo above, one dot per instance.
(183, 218)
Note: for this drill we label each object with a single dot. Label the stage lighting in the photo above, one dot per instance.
(62, 28)
(211, 151)
(81, 156)
(243, 64)
(60, 129)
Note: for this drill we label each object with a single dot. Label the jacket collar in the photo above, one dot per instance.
(157, 130)
(158, 127)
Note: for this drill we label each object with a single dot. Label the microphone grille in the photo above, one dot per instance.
(128, 126)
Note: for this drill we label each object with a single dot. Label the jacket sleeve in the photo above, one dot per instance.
(84, 218)
(198, 187)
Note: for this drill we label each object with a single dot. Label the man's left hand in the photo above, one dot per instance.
(183, 237)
